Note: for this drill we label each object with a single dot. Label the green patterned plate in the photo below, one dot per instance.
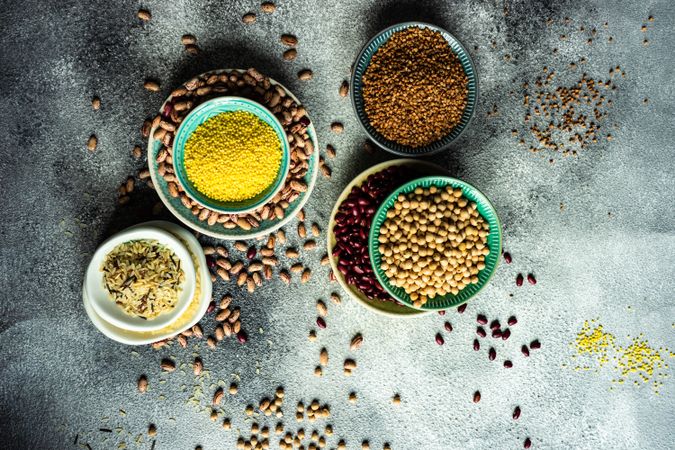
(361, 64)
(486, 210)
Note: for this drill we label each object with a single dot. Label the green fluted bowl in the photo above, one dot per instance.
(494, 242)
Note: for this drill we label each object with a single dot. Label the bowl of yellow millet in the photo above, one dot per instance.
(231, 155)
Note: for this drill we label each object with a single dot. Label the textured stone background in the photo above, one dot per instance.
(59, 377)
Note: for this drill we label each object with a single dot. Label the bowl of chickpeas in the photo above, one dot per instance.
(435, 242)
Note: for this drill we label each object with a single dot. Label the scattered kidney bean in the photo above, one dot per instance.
(320, 322)
(476, 396)
(496, 333)
(439, 339)
(461, 308)
(441, 313)
(481, 332)
(534, 345)
(481, 319)
(494, 324)
(512, 321)
(211, 262)
(525, 350)
(516, 413)
(250, 254)
(476, 345)
(508, 364)
(211, 307)
(527, 443)
(531, 279)
(506, 334)
(352, 228)
(242, 337)
(492, 354)
(519, 279)
(447, 326)
(507, 257)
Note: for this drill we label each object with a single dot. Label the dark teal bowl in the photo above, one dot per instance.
(359, 70)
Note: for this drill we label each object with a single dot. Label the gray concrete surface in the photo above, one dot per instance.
(608, 253)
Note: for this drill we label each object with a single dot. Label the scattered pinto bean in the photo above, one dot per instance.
(519, 279)
(531, 279)
(439, 339)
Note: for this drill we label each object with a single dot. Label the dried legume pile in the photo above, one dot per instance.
(353, 221)
(433, 243)
(143, 277)
(415, 89)
(233, 156)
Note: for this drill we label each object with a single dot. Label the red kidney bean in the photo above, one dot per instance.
(527, 443)
(525, 350)
(242, 337)
(439, 339)
(250, 254)
(531, 279)
(494, 324)
(519, 279)
(516, 413)
(447, 326)
(481, 332)
(492, 354)
(461, 308)
(211, 307)
(506, 334)
(211, 262)
(476, 396)
(476, 345)
(534, 345)
(508, 364)
(320, 322)
(507, 257)
(481, 319)
(441, 313)
(512, 321)
(352, 228)
(496, 333)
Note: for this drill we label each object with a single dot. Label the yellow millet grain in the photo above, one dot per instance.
(233, 156)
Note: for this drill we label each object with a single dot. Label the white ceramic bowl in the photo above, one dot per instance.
(190, 317)
(99, 296)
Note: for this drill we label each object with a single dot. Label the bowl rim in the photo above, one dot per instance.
(375, 136)
(117, 317)
(202, 199)
(374, 234)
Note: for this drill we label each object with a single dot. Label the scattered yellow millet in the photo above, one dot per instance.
(637, 359)
(233, 156)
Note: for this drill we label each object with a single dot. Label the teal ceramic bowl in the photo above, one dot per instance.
(360, 66)
(494, 242)
(201, 114)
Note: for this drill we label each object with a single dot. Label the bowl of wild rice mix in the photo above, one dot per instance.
(414, 89)
(141, 279)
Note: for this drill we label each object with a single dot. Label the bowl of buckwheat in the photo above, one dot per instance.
(435, 243)
(414, 89)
